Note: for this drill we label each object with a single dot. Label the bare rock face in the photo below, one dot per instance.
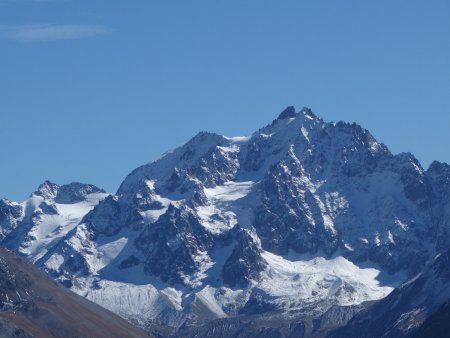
(172, 244)
(76, 192)
(10, 213)
(245, 262)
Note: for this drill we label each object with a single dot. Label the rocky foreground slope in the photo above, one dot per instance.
(33, 305)
(303, 221)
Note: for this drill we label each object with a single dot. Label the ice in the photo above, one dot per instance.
(224, 202)
(111, 250)
(230, 191)
(238, 139)
(305, 133)
(140, 302)
(54, 262)
(207, 297)
(317, 278)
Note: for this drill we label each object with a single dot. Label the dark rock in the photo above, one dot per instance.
(75, 192)
(289, 112)
(245, 262)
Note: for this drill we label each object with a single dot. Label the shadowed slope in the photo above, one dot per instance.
(31, 304)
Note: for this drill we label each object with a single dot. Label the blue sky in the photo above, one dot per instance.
(92, 89)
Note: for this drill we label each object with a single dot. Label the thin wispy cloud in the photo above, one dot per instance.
(37, 33)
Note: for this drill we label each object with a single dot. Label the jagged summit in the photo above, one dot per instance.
(287, 113)
(47, 190)
(307, 112)
(290, 112)
(67, 193)
(439, 167)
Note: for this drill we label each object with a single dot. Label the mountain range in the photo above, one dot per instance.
(303, 228)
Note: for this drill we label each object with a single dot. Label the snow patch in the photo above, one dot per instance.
(238, 139)
(221, 214)
(318, 279)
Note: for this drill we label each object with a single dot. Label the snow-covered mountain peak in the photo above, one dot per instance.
(33, 226)
(305, 116)
(309, 114)
(235, 225)
(65, 194)
(209, 159)
(47, 190)
(290, 112)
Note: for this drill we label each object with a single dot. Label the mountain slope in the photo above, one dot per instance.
(437, 325)
(402, 312)
(298, 218)
(31, 304)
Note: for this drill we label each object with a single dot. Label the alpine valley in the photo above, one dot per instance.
(303, 228)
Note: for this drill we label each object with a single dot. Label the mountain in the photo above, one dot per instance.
(304, 222)
(51, 212)
(33, 305)
(420, 304)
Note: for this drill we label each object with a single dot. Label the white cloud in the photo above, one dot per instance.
(36, 33)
